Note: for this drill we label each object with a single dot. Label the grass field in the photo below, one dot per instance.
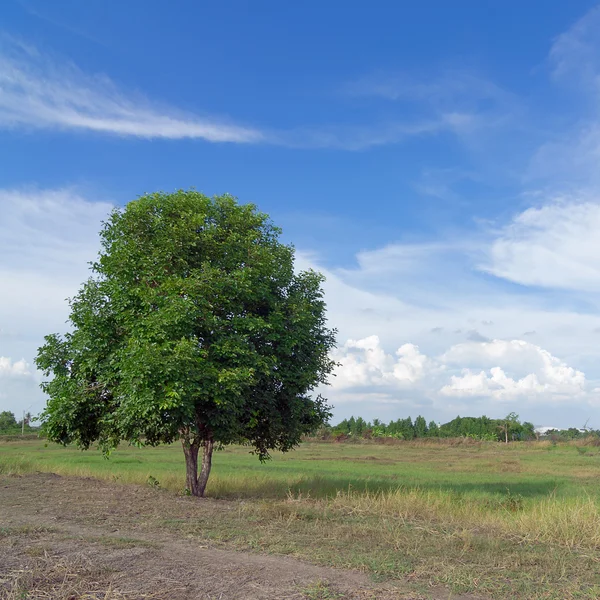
(521, 520)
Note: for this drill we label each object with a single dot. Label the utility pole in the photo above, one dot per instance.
(23, 424)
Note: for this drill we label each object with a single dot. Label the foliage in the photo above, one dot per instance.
(10, 426)
(478, 428)
(420, 427)
(572, 433)
(7, 421)
(193, 326)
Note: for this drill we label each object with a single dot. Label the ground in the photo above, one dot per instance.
(422, 519)
(73, 538)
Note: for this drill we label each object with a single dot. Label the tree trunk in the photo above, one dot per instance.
(207, 450)
(194, 482)
(191, 466)
(506, 434)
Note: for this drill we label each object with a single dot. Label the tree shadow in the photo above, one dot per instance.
(326, 486)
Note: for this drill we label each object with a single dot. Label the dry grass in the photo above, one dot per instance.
(516, 521)
(50, 577)
(573, 524)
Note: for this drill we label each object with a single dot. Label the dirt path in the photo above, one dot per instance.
(70, 538)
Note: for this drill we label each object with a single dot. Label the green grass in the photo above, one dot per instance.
(521, 520)
(320, 470)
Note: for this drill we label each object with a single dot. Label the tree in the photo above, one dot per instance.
(508, 424)
(433, 430)
(7, 421)
(352, 425)
(359, 427)
(420, 427)
(407, 428)
(527, 431)
(192, 327)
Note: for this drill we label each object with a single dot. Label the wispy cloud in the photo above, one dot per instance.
(576, 52)
(442, 183)
(450, 87)
(60, 23)
(460, 99)
(357, 137)
(36, 92)
(570, 154)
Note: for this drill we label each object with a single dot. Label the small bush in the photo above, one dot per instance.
(153, 482)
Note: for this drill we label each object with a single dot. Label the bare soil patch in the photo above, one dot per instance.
(70, 538)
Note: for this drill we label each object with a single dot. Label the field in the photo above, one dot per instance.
(416, 520)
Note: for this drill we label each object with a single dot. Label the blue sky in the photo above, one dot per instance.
(436, 160)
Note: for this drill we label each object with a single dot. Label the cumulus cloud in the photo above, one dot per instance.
(365, 363)
(497, 370)
(10, 368)
(534, 372)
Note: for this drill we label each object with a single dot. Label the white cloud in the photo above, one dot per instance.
(365, 363)
(499, 370)
(19, 386)
(433, 298)
(10, 368)
(555, 245)
(37, 93)
(47, 239)
(407, 312)
(43, 228)
(534, 372)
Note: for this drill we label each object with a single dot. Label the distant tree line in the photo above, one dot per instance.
(482, 428)
(572, 433)
(10, 425)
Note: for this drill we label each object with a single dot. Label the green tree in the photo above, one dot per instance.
(359, 427)
(352, 425)
(420, 427)
(527, 431)
(192, 327)
(508, 425)
(407, 428)
(433, 430)
(7, 421)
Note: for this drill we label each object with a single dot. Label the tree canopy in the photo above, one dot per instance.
(193, 326)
